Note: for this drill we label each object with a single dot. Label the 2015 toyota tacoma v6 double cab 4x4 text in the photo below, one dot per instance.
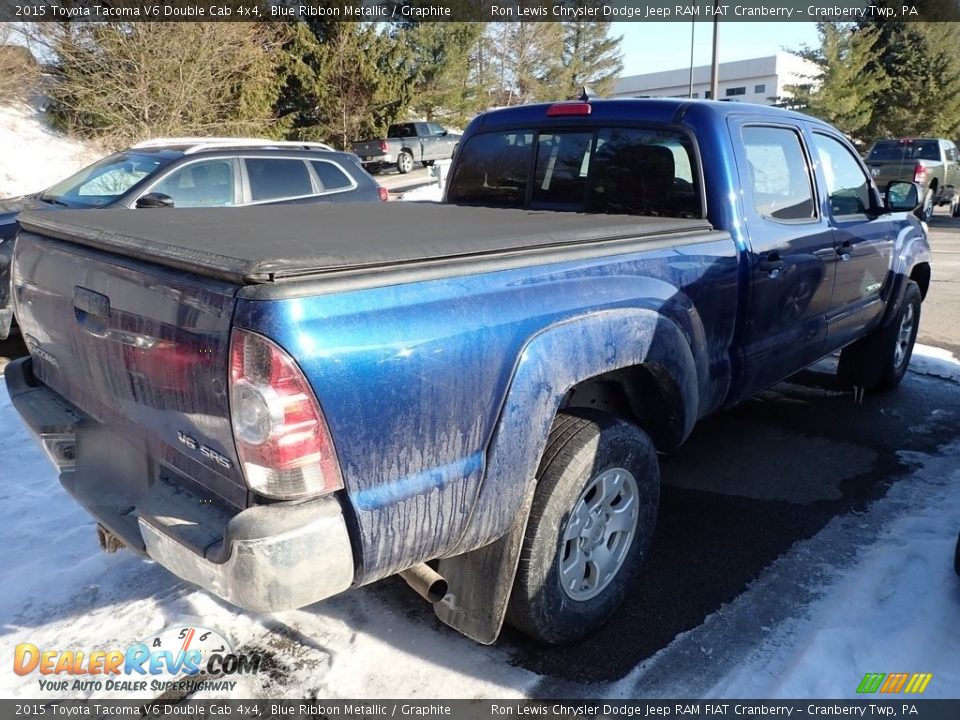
(279, 407)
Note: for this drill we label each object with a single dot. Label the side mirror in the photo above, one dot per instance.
(902, 196)
(155, 200)
(445, 133)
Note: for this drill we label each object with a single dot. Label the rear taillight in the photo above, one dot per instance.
(919, 173)
(384, 193)
(282, 438)
(383, 146)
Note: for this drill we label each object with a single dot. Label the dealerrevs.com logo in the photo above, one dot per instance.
(178, 657)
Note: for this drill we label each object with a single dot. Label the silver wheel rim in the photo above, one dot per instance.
(598, 534)
(903, 337)
(406, 162)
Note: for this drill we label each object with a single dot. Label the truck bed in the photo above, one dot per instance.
(268, 244)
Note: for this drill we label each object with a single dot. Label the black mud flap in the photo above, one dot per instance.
(111, 477)
(480, 582)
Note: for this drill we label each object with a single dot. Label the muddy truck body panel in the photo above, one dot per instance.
(300, 407)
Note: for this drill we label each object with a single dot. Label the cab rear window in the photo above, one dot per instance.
(887, 150)
(605, 170)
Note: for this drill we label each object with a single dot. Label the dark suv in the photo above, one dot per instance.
(195, 172)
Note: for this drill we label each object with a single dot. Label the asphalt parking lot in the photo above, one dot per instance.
(781, 466)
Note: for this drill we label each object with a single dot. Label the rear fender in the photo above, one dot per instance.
(551, 363)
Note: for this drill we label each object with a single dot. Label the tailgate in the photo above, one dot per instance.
(367, 148)
(884, 171)
(139, 348)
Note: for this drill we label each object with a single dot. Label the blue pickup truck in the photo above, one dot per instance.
(471, 394)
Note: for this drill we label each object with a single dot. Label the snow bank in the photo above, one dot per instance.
(935, 361)
(426, 193)
(35, 156)
(870, 593)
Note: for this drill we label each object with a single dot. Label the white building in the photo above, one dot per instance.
(760, 80)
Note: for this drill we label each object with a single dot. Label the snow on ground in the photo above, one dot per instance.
(426, 193)
(870, 593)
(35, 156)
(935, 361)
(877, 593)
(61, 592)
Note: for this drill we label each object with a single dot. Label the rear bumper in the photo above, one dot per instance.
(275, 557)
(385, 159)
(264, 558)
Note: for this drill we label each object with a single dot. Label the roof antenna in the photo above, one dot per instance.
(587, 94)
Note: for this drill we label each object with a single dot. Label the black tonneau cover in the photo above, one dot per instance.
(266, 244)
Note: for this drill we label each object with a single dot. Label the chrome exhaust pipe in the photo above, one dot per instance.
(426, 582)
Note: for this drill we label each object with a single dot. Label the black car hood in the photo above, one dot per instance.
(11, 207)
(19, 204)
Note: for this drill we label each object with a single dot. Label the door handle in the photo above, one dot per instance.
(843, 252)
(91, 310)
(772, 265)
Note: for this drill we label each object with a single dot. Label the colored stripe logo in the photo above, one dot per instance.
(893, 683)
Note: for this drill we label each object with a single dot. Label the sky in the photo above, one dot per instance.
(655, 46)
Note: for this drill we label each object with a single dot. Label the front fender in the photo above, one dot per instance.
(550, 364)
(911, 248)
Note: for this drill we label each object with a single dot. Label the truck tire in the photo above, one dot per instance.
(590, 527)
(374, 168)
(879, 361)
(404, 162)
(955, 206)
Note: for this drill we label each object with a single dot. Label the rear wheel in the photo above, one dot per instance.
(404, 162)
(590, 527)
(880, 360)
(955, 206)
(374, 168)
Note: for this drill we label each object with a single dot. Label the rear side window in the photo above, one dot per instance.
(275, 179)
(331, 177)
(607, 170)
(778, 174)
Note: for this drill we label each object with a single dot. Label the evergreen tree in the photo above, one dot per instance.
(523, 61)
(589, 57)
(444, 88)
(123, 82)
(345, 81)
(845, 88)
(922, 63)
